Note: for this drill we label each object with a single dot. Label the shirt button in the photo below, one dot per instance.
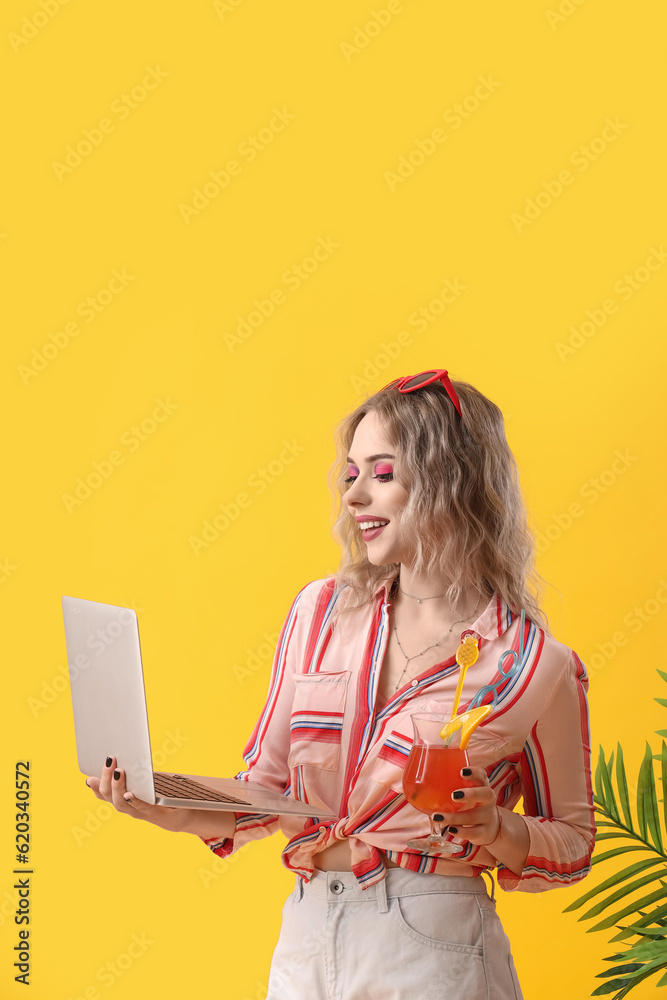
(337, 887)
(414, 683)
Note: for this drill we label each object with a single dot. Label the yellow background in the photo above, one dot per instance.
(353, 102)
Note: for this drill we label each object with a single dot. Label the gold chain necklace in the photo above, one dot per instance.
(433, 644)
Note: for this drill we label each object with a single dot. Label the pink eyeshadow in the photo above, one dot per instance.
(382, 470)
(352, 470)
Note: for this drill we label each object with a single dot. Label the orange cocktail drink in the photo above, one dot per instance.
(432, 773)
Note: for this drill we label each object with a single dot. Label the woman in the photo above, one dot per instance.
(435, 548)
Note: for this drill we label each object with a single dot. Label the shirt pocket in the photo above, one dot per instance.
(389, 764)
(316, 724)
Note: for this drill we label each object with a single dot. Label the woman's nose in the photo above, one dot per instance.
(356, 494)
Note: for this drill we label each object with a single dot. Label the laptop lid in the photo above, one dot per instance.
(108, 695)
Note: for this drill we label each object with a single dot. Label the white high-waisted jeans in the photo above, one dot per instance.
(409, 937)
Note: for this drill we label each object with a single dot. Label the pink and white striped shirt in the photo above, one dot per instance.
(319, 739)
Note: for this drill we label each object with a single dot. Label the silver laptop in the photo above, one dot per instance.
(110, 718)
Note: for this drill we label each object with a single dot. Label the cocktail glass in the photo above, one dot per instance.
(432, 773)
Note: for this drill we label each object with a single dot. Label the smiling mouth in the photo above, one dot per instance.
(372, 529)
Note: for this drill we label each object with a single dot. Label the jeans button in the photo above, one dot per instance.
(337, 887)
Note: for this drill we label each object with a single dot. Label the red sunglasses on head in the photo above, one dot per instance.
(411, 382)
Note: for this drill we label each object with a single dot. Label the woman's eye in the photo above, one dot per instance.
(384, 477)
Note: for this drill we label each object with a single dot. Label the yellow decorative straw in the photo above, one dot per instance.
(466, 655)
(468, 722)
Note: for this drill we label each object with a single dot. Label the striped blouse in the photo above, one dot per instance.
(320, 739)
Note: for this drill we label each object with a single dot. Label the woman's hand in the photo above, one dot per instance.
(478, 817)
(205, 823)
(502, 832)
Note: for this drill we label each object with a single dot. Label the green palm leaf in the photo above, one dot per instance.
(624, 890)
(647, 801)
(653, 897)
(616, 851)
(614, 880)
(614, 834)
(613, 984)
(599, 793)
(607, 796)
(642, 819)
(625, 984)
(622, 785)
(647, 954)
(649, 951)
(650, 918)
(649, 967)
(619, 970)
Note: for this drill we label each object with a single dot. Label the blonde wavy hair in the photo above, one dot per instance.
(465, 509)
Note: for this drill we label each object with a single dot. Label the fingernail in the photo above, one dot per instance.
(453, 829)
(116, 775)
(87, 785)
(128, 797)
(108, 761)
(438, 817)
(458, 795)
(465, 772)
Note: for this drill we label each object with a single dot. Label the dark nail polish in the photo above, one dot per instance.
(438, 817)
(466, 772)
(458, 794)
(116, 775)
(107, 763)
(453, 829)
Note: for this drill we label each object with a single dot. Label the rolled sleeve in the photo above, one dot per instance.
(249, 826)
(554, 771)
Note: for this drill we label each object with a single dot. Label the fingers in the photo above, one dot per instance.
(475, 789)
(118, 790)
(111, 786)
(94, 785)
(475, 774)
(476, 807)
(101, 787)
(107, 778)
(478, 826)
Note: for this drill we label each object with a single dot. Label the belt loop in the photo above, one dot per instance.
(381, 895)
(493, 884)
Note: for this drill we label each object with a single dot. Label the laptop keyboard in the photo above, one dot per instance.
(176, 787)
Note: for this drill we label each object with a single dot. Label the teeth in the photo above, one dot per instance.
(365, 525)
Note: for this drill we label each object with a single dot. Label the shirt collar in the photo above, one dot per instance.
(494, 620)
